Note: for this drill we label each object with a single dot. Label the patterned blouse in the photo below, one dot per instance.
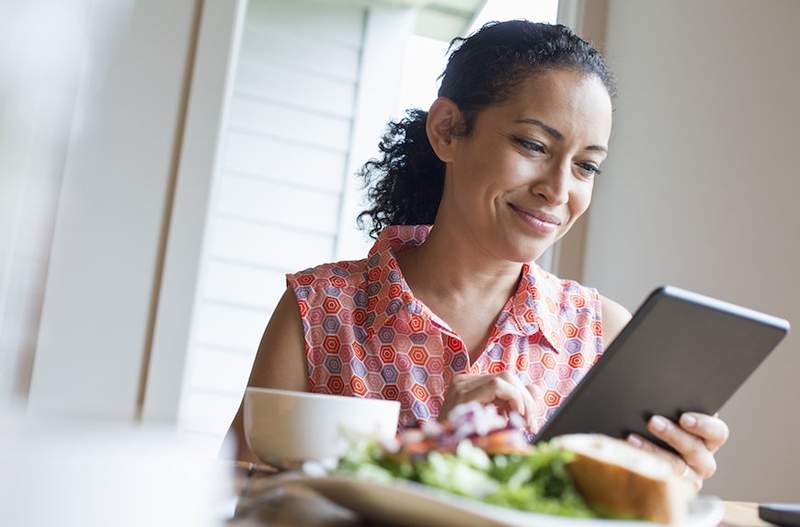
(367, 336)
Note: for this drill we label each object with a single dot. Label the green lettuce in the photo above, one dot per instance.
(535, 482)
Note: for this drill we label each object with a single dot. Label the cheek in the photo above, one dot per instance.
(579, 200)
(509, 168)
(487, 177)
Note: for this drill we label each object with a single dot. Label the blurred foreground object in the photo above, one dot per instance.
(88, 473)
(614, 476)
(48, 50)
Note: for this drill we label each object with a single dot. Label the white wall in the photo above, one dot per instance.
(701, 190)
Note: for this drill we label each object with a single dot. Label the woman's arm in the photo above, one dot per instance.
(615, 317)
(280, 363)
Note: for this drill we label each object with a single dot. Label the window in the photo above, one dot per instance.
(425, 58)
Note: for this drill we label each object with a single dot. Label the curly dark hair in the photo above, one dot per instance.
(404, 185)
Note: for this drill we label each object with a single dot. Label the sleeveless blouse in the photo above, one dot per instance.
(366, 335)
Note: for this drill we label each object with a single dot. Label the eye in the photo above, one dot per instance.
(533, 146)
(590, 168)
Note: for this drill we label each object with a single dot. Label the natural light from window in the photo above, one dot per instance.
(425, 57)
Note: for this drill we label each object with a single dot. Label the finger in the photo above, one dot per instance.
(527, 398)
(679, 466)
(537, 391)
(694, 479)
(453, 395)
(461, 386)
(711, 429)
(540, 408)
(691, 447)
(676, 462)
(466, 383)
(461, 389)
(494, 388)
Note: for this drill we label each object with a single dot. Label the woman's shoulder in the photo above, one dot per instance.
(612, 311)
(566, 289)
(345, 274)
(613, 315)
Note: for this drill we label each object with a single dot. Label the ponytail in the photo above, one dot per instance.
(405, 185)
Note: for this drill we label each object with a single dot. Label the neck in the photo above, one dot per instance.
(452, 265)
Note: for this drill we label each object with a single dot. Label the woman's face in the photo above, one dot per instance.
(523, 176)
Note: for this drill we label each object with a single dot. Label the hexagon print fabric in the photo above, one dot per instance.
(366, 335)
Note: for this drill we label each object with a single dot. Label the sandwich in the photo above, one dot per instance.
(619, 480)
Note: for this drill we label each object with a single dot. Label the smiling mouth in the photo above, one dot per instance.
(537, 215)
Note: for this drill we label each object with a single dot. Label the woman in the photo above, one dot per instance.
(501, 166)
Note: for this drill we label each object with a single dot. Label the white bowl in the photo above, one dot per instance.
(287, 427)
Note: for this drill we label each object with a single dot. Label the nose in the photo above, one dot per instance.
(553, 185)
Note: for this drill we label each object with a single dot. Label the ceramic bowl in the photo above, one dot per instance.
(283, 427)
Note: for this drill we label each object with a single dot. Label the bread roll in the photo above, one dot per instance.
(617, 478)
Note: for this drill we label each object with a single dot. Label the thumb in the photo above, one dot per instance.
(537, 392)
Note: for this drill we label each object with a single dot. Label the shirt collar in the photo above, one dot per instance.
(387, 290)
(531, 310)
(533, 306)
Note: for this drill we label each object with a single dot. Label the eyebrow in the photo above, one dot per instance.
(555, 133)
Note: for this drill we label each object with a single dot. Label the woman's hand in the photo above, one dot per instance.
(697, 438)
(502, 389)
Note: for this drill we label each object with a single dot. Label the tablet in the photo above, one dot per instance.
(680, 352)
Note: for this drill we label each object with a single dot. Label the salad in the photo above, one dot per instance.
(479, 454)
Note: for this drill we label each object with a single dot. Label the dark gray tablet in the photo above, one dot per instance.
(681, 352)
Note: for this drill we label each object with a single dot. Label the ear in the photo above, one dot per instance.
(443, 118)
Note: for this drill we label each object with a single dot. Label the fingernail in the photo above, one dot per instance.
(635, 441)
(689, 421)
(658, 423)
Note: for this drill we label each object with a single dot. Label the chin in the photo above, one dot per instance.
(528, 251)
(517, 245)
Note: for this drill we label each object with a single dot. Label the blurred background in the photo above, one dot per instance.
(164, 164)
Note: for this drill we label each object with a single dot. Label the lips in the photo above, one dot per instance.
(539, 215)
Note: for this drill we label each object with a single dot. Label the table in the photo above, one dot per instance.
(741, 514)
(295, 509)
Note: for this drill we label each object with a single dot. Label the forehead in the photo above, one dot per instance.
(573, 102)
